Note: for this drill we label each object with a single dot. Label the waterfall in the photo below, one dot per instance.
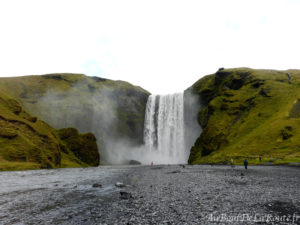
(164, 129)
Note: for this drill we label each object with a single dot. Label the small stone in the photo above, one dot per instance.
(120, 185)
(134, 162)
(125, 195)
(96, 185)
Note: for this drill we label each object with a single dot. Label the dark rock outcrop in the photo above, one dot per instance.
(84, 146)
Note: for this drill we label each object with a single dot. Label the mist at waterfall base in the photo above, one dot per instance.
(170, 130)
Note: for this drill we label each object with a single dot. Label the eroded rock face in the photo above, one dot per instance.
(245, 113)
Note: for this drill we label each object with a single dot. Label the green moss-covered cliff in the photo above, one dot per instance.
(246, 113)
(112, 110)
(29, 143)
(84, 146)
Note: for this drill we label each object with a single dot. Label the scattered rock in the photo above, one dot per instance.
(183, 198)
(257, 84)
(286, 133)
(289, 128)
(242, 174)
(120, 185)
(175, 171)
(282, 208)
(125, 195)
(134, 162)
(264, 92)
(96, 185)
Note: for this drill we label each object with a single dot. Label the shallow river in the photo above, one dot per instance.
(160, 195)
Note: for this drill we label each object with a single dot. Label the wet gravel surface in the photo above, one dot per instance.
(152, 195)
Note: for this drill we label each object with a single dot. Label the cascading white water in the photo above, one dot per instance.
(164, 129)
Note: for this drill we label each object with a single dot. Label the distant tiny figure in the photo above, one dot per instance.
(231, 162)
(246, 163)
(151, 163)
(260, 158)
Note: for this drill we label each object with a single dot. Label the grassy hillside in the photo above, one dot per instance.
(110, 109)
(29, 143)
(247, 113)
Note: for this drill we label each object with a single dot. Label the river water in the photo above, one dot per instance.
(56, 196)
(161, 194)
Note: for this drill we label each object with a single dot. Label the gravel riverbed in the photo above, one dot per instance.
(175, 194)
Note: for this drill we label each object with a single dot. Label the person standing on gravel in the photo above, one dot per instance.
(246, 163)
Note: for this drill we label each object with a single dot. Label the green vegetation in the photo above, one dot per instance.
(247, 113)
(29, 143)
(109, 109)
(83, 146)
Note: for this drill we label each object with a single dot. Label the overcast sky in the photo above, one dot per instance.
(163, 46)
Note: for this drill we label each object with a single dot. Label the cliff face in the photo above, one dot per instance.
(83, 146)
(247, 113)
(29, 143)
(110, 109)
